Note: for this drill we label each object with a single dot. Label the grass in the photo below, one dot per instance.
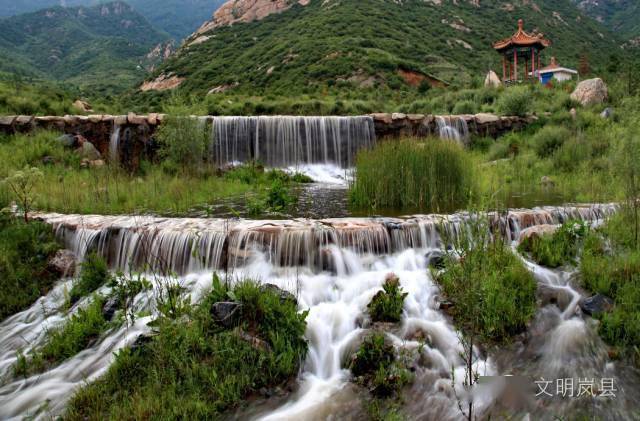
(195, 367)
(386, 305)
(492, 291)
(557, 249)
(376, 366)
(77, 334)
(93, 275)
(610, 265)
(411, 174)
(25, 250)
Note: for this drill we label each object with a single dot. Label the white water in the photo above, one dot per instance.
(452, 128)
(114, 144)
(328, 174)
(362, 253)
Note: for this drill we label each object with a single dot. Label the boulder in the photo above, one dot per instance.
(597, 304)
(492, 80)
(284, 295)
(67, 140)
(607, 113)
(88, 151)
(97, 163)
(435, 259)
(537, 231)
(110, 307)
(63, 263)
(226, 314)
(590, 92)
(83, 106)
(546, 181)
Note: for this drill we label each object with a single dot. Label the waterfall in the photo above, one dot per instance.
(114, 144)
(187, 245)
(334, 267)
(282, 141)
(452, 128)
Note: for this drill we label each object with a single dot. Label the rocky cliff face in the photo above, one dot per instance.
(235, 11)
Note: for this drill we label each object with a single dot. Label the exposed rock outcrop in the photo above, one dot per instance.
(236, 11)
(591, 92)
(162, 83)
(492, 80)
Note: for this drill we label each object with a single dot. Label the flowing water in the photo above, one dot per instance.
(452, 128)
(334, 267)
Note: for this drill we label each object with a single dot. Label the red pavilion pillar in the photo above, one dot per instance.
(515, 64)
(504, 68)
(533, 62)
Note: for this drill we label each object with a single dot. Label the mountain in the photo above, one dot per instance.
(286, 47)
(102, 48)
(621, 16)
(179, 18)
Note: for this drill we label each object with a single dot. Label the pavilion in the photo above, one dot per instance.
(521, 55)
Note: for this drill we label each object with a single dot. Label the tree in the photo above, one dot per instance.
(583, 66)
(22, 183)
(628, 171)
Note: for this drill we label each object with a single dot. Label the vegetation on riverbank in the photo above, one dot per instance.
(610, 266)
(556, 249)
(25, 250)
(197, 366)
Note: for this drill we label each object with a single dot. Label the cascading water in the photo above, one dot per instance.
(452, 128)
(333, 266)
(114, 144)
(284, 141)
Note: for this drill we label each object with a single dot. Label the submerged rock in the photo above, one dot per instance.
(597, 304)
(63, 263)
(227, 314)
(110, 307)
(435, 259)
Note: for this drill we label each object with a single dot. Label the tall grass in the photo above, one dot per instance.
(427, 175)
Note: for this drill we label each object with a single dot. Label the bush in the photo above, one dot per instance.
(549, 139)
(386, 305)
(377, 367)
(515, 101)
(183, 141)
(25, 250)
(556, 249)
(93, 275)
(431, 175)
(195, 368)
(465, 107)
(492, 291)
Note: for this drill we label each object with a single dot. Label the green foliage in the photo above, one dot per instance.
(516, 101)
(93, 275)
(102, 52)
(550, 139)
(376, 366)
(492, 291)
(197, 369)
(557, 249)
(125, 289)
(429, 175)
(25, 250)
(386, 305)
(183, 142)
(22, 184)
(610, 265)
(75, 335)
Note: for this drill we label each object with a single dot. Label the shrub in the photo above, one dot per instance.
(377, 367)
(195, 368)
(25, 250)
(386, 305)
(430, 175)
(515, 101)
(465, 107)
(549, 139)
(183, 141)
(493, 293)
(93, 275)
(556, 249)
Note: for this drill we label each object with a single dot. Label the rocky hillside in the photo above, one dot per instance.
(286, 46)
(179, 18)
(621, 16)
(103, 48)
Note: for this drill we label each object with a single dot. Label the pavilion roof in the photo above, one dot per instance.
(522, 38)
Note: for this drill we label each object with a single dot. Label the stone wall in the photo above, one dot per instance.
(136, 131)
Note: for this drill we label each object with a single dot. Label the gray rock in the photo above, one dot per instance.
(88, 151)
(590, 92)
(63, 263)
(227, 314)
(110, 307)
(284, 295)
(435, 259)
(48, 160)
(607, 113)
(597, 304)
(67, 140)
